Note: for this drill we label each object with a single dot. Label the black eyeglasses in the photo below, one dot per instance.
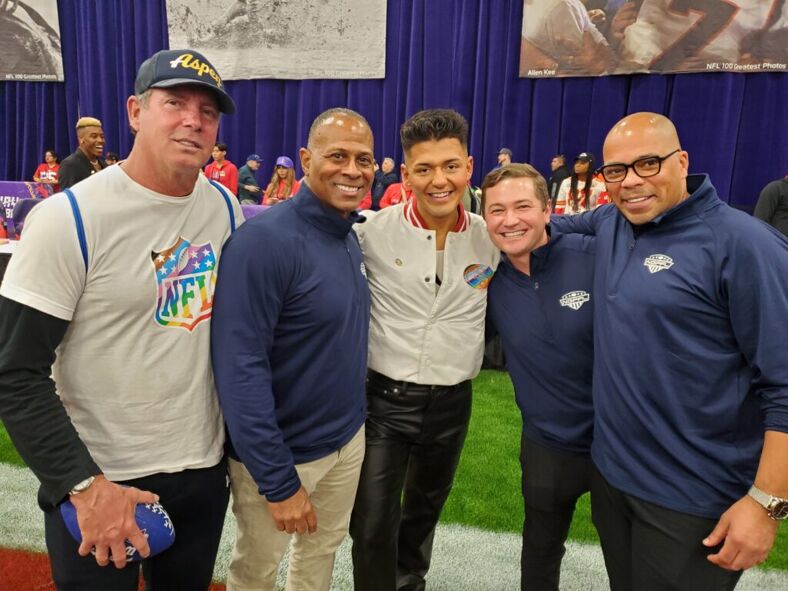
(643, 167)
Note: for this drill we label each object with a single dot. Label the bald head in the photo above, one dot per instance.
(652, 124)
(338, 160)
(339, 117)
(650, 139)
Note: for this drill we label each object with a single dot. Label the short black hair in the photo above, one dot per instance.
(111, 156)
(222, 147)
(433, 124)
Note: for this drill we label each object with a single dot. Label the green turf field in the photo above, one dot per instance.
(8, 454)
(487, 488)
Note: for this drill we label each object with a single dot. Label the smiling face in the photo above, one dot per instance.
(91, 141)
(339, 163)
(176, 129)
(637, 136)
(516, 217)
(438, 172)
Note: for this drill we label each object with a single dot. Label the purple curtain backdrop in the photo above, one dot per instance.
(462, 54)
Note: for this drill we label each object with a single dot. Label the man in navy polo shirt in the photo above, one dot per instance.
(690, 373)
(539, 301)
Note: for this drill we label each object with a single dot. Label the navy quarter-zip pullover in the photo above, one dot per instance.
(290, 351)
(691, 316)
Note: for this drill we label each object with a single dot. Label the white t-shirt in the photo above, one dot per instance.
(133, 370)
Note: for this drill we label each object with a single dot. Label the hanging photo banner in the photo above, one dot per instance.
(600, 37)
(30, 41)
(286, 39)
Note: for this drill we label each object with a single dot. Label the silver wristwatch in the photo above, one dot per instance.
(776, 507)
(82, 486)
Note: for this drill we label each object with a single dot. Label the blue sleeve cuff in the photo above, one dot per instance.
(285, 491)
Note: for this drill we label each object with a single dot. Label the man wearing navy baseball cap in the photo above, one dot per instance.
(248, 187)
(125, 264)
(504, 157)
(178, 67)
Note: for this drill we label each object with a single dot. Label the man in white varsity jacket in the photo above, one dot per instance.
(428, 263)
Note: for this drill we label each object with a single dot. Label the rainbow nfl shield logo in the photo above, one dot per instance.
(185, 280)
(478, 276)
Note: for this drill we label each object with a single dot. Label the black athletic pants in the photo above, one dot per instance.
(196, 501)
(552, 482)
(650, 548)
(415, 434)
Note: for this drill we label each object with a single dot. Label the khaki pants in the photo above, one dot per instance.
(331, 483)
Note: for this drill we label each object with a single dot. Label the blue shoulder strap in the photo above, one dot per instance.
(83, 244)
(227, 201)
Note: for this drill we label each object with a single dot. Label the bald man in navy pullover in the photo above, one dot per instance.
(690, 372)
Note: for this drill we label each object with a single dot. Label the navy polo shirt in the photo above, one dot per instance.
(545, 321)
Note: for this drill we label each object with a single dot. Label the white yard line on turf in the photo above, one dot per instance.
(464, 558)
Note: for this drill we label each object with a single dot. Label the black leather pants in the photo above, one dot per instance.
(415, 434)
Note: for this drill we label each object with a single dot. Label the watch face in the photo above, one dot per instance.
(82, 486)
(780, 510)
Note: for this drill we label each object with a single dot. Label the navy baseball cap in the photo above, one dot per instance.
(584, 157)
(254, 157)
(176, 67)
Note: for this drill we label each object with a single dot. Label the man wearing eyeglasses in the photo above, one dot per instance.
(690, 377)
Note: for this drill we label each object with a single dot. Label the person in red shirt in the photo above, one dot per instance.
(47, 171)
(222, 170)
(395, 193)
(283, 184)
(366, 201)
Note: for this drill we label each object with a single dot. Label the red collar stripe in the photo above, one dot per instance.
(411, 212)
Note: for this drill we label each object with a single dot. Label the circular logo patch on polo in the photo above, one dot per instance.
(478, 276)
